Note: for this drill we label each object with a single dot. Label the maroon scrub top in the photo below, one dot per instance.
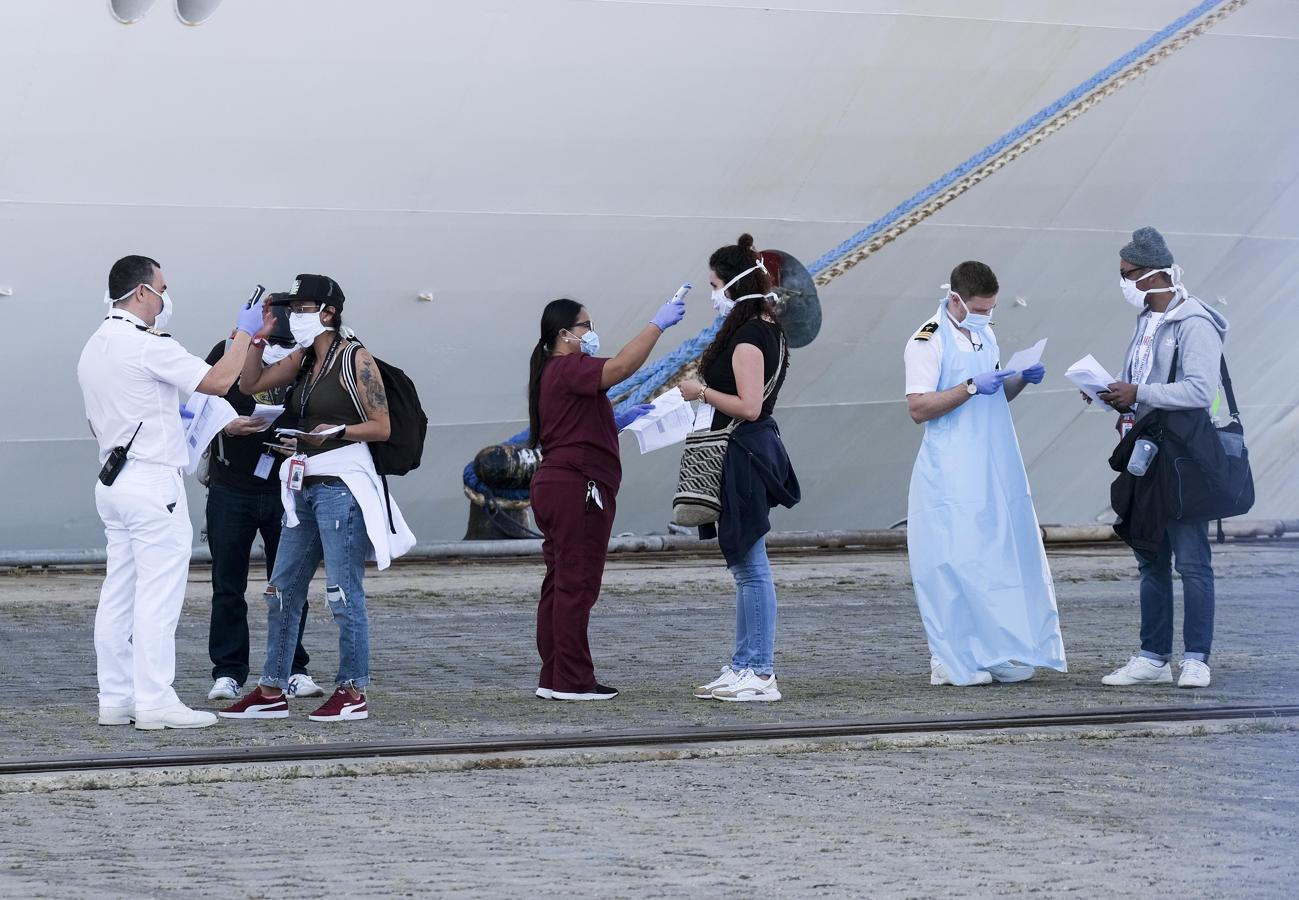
(577, 428)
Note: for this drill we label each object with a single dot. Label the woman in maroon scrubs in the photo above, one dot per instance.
(575, 489)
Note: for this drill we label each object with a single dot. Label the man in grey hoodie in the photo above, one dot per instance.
(1172, 324)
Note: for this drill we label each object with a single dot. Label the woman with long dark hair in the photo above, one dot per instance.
(575, 490)
(741, 374)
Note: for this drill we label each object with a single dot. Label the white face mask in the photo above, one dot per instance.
(306, 327)
(274, 353)
(973, 322)
(724, 304)
(1137, 298)
(164, 315)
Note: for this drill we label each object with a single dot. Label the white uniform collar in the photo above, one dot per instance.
(116, 313)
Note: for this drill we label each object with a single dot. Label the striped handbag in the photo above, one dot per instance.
(698, 500)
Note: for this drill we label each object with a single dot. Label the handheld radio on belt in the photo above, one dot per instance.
(116, 459)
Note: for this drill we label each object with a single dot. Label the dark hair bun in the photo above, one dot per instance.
(745, 242)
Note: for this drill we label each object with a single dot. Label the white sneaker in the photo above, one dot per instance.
(545, 693)
(178, 715)
(116, 715)
(1139, 670)
(225, 688)
(301, 685)
(728, 677)
(938, 674)
(1011, 672)
(749, 687)
(1194, 674)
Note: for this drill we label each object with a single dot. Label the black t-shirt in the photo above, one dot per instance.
(721, 375)
(233, 460)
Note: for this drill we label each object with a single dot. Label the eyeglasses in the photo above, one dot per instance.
(304, 307)
(586, 325)
(1130, 274)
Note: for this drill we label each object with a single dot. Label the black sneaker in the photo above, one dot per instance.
(599, 692)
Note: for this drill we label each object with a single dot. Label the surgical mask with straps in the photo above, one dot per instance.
(724, 304)
(1137, 298)
(973, 322)
(164, 315)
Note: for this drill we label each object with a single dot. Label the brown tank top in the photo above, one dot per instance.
(327, 402)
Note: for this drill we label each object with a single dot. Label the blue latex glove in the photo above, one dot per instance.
(626, 417)
(670, 313)
(1034, 373)
(250, 313)
(185, 414)
(990, 382)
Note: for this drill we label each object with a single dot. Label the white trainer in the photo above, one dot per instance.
(116, 715)
(749, 687)
(1139, 670)
(728, 677)
(225, 688)
(1011, 672)
(178, 715)
(938, 674)
(1195, 674)
(301, 685)
(545, 693)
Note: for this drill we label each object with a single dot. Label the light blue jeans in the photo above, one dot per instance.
(755, 612)
(330, 525)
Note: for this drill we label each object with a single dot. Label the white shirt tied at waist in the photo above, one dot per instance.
(355, 466)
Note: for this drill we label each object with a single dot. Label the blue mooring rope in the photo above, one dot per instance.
(640, 386)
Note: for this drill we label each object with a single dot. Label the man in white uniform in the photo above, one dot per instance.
(977, 562)
(131, 375)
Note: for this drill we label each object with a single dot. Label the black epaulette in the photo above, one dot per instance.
(927, 332)
(145, 328)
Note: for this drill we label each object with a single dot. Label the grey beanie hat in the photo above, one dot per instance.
(1147, 248)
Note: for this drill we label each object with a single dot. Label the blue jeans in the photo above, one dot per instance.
(755, 612)
(1186, 547)
(330, 525)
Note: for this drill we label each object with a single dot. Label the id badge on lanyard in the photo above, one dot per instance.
(1126, 421)
(297, 467)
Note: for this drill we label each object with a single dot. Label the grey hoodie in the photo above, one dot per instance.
(1197, 333)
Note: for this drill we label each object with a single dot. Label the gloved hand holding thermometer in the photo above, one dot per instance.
(674, 310)
(250, 319)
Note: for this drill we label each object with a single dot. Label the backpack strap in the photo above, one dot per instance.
(347, 375)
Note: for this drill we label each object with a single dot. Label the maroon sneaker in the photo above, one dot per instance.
(341, 707)
(256, 705)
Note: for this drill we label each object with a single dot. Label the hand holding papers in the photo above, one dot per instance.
(209, 415)
(1026, 359)
(1090, 377)
(267, 414)
(667, 423)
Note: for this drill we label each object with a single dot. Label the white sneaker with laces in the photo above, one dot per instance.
(749, 687)
(726, 679)
(225, 688)
(1139, 670)
(1195, 674)
(178, 715)
(301, 685)
(938, 674)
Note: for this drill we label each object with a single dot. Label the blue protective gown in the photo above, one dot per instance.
(977, 561)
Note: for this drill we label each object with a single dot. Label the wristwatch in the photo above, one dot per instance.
(970, 387)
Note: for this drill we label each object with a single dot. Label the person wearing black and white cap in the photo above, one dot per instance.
(243, 501)
(1173, 328)
(132, 374)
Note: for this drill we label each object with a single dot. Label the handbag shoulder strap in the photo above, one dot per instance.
(1226, 386)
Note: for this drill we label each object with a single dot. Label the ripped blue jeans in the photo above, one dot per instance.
(330, 526)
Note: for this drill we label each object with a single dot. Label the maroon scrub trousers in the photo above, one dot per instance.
(579, 443)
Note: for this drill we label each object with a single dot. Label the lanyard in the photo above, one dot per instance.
(310, 384)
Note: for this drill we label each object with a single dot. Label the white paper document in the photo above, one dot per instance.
(1090, 377)
(1026, 359)
(267, 414)
(211, 414)
(667, 423)
(324, 432)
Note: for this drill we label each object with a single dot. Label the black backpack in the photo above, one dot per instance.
(405, 445)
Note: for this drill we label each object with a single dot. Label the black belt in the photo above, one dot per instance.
(321, 479)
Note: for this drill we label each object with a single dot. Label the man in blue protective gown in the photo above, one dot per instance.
(977, 561)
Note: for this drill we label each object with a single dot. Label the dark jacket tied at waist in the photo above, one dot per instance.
(756, 475)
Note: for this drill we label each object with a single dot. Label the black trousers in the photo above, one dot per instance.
(234, 519)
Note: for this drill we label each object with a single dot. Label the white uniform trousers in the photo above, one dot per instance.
(150, 538)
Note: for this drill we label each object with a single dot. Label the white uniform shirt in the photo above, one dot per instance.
(134, 377)
(923, 355)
